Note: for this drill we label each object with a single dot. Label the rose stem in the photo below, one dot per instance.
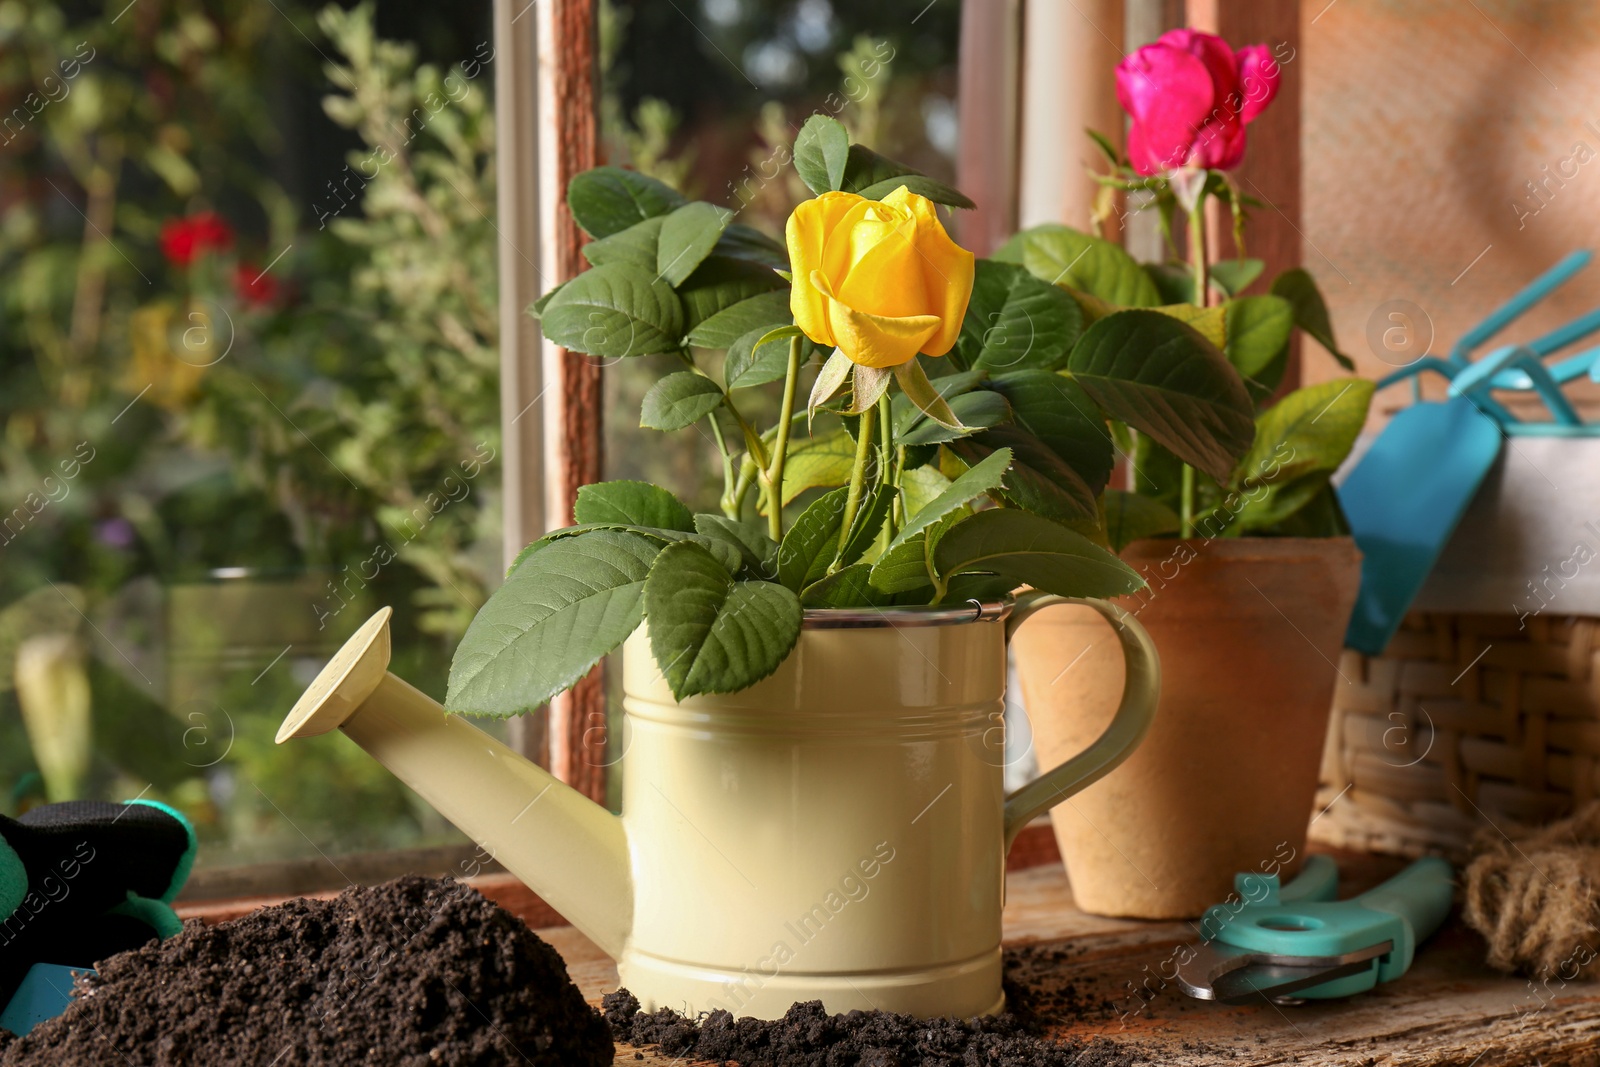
(888, 469)
(780, 444)
(1186, 517)
(1202, 297)
(858, 476)
(730, 506)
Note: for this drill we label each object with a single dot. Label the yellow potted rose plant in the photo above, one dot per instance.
(813, 673)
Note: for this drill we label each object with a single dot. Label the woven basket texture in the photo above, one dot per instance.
(1465, 721)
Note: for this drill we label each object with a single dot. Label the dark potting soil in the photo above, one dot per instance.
(807, 1036)
(415, 972)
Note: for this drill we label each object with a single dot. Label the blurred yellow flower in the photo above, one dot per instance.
(173, 382)
(878, 279)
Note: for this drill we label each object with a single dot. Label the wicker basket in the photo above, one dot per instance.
(1465, 720)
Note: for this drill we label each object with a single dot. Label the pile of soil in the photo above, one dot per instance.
(807, 1036)
(415, 972)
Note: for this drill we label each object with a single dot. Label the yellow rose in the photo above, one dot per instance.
(878, 279)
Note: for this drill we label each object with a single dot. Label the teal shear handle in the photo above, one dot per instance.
(1302, 925)
(1419, 897)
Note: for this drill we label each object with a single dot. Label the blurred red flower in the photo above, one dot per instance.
(184, 239)
(255, 287)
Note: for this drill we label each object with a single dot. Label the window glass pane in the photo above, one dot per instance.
(248, 394)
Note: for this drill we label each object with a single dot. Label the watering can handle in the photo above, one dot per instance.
(1140, 694)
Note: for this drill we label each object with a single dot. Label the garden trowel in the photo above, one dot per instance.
(1407, 494)
(1403, 501)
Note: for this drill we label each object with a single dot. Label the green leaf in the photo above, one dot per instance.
(688, 235)
(875, 177)
(1130, 517)
(1233, 276)
(1208, 322)
(759, 312)
(920, 391)
(1265, 507)
(830, 379)
(812, 542)
(758, 551)
(633, 504)
(564, 608)
(988, 473)
(536, 309)
(821, 151)
(1032, 550)
(1321, 516)
(1265, 382)
(981, 587)
(614, 311)
(818, 463)
(636, 245)
(725, 553)
(1107, 149)
(1258, 330)
(1015, 321)
(975, 411)
(1173, 281)
(1164, 379)
(1039, 480)
(921, 486)
(746, 242)
(908, 565)
(1158, 474)
(1310, 313)
(720, 285)
(679, 400)
(753, 360)
(1063, 256)
(709, 633)
(1311, 429)
(1057, 411)
(848, 587)
(607, 200)
(867, 386)
(902, 568)
(908, 415)
(869, 519)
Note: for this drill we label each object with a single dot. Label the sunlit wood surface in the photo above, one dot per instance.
(1449, 1010)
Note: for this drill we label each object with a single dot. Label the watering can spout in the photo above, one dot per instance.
(566, 848)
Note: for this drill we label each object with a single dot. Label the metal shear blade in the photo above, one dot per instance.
(1234, 975)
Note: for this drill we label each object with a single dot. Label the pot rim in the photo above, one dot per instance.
(900, 618)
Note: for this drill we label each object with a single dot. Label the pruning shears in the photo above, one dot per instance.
(1299, 942)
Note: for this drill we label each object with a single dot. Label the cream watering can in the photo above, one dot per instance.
(836, 832)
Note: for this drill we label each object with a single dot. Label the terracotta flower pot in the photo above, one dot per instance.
(1249, 631)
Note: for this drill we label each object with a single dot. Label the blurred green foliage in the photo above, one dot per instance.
(314, 396)
(316, 400)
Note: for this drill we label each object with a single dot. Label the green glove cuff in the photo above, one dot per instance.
(185, 865)
(156, 914)
(13, 881)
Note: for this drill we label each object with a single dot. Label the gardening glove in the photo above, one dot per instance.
(84, 880)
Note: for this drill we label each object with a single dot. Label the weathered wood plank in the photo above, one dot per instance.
(1083, 974)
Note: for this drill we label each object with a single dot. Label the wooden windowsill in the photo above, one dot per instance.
(1450, 1010)
(1035, 846)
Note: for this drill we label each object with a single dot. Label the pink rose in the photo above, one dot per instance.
(1190, 97)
